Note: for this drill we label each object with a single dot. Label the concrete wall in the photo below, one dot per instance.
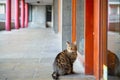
(2, 25)
(80, 25)
(38, 16)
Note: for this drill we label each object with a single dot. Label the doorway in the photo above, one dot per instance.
(48, 16)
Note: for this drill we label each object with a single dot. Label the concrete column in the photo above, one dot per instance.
(8, 15)
(66, 22)
(17, 14)
(26, 15)
(80, 25)
(55, 16)
(22, 13)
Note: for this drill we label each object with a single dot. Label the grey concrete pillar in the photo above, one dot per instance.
(66, 22)
(80, 25)
(55, 15)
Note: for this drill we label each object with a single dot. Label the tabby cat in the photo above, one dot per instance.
(63, 63)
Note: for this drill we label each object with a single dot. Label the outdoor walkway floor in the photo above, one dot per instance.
(28, 54)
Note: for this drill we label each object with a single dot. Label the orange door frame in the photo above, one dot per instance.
(89, 36)
(74, 20)
(96, 37)
(100, 37)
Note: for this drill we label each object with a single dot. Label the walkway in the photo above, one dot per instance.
(27, 54)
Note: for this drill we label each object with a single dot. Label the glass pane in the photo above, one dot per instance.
(114, 39)
(2, 8)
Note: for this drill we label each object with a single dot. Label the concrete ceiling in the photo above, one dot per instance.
(39, 2)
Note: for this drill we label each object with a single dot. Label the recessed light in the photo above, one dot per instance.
(38, 2)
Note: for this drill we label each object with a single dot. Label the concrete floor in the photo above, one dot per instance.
(28, 54)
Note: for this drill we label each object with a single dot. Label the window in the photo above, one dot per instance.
(2, 8)
(113, 10)
(114, 13)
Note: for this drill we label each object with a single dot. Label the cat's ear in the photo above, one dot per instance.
(67, 43)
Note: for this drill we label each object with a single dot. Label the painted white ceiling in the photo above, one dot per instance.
(42, 2)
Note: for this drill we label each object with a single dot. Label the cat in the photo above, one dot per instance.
(63, 63)
(113, 64)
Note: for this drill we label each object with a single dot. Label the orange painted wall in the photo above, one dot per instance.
(89, 17)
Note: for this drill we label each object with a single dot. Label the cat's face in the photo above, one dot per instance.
(71, 47)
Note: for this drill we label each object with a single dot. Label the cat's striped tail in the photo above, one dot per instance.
(55, 75)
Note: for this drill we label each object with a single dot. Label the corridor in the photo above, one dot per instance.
(28, 54)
